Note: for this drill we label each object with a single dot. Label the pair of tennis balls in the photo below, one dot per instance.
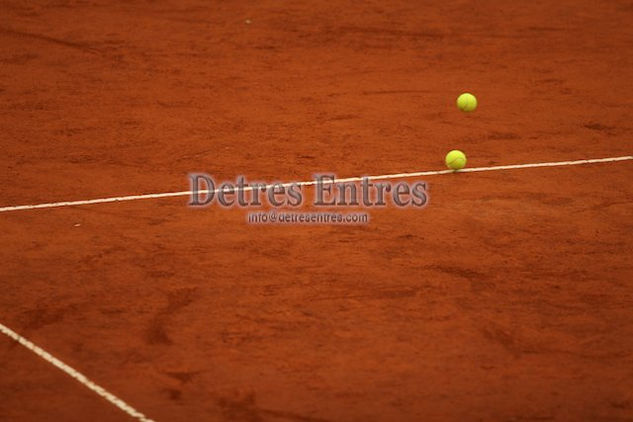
(455, 159)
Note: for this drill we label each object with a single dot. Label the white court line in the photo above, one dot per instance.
(313, 182)
(126, 407)
(75, 374)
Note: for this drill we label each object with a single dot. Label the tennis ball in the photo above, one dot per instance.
(467, 102)
(455, 160)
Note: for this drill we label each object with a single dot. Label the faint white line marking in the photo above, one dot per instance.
(313, 182)
(75, 374)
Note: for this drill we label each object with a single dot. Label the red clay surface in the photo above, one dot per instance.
(508, 298)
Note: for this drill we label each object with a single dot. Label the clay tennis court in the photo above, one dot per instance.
(509, 297)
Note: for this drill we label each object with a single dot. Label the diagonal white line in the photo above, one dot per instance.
(313, 182)
(100, 391)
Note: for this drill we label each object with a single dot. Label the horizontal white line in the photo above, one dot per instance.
(313, 182)
(102, 392)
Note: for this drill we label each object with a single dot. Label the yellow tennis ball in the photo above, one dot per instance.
(467, 102)
(455, 160)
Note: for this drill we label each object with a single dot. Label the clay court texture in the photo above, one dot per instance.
(508, 297)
